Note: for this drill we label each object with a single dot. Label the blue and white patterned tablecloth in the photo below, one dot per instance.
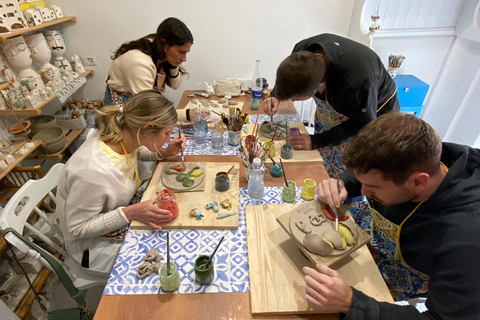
(231, 260)
(276, 118)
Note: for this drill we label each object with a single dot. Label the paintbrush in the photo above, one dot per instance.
(168, 254)
(268, 153)
(275, 132)
(284, 176)
(211, 257)
(181, 148)
(226, 174)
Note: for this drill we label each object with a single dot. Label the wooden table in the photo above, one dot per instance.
(214, 305)
(285, 107)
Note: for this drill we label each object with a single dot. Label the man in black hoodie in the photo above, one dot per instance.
(425, 199)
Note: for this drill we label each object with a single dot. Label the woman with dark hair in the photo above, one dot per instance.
(152, 61)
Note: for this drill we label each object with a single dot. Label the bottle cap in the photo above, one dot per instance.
(256, 162)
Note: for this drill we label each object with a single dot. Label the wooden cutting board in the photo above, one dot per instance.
(189, 200)
(298, 155)
(277, 284)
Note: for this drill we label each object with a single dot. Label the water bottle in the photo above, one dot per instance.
(217, 136)
(199, 133)
(257, 87)
(255, 181)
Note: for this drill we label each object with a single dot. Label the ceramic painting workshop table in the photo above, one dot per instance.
(285, 107)
(229, 295)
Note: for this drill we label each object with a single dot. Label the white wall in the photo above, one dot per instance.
(228, 35)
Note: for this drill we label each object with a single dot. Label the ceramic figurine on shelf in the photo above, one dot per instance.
(20, 57)
(78, 65)
(11, 16)
(57, 45)
(41, 54)
(57, 11)
(34, 18)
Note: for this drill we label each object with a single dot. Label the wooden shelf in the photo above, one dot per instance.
(19, 157)
(28, 111)
(70, 137)
(6, 86)
(88, 72)
(5, 36)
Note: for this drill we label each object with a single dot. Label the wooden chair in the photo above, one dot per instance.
(18, 176)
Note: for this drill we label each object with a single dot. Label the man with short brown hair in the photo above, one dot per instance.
(425, 213)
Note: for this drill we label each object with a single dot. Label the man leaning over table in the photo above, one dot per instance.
(425, 207)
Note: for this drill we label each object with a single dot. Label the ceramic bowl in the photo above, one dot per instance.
(50, 135)
(42, 122)
(54, 147)
(21, 128)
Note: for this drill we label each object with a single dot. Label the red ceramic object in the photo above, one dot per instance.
(166, 201)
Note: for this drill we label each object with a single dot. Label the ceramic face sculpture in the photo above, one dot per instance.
(78, 64)
(41, 54)
(20, 58)
(57, 45)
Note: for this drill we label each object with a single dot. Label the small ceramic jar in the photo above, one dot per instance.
(221, 183)
(289, 191)
(169, 281)
(308, 189)
(270, 147)
(276, 171)
(166, 201)
(287, 151)
(204, 274)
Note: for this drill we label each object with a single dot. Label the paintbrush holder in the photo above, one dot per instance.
(392, 72)
(234, 138)
(166, 201)
(276, 171)
(169, 282)
(287, 151)
(204, 274)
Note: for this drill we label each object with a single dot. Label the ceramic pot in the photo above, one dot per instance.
(21, 128)
(204, 274)
(50, 135)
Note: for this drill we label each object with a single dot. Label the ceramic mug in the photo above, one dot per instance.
(166, 201)
(221, 183)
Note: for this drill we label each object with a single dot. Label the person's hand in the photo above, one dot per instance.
(301, 142)
(267, 106)
(326, 289)
(148, 213)
(191, 113)
(175, 146)
(327, 192)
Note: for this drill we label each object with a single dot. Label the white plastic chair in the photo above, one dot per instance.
(306, 109)
(17, 211)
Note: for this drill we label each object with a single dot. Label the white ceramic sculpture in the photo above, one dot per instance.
(41, 54)
(20, 57)
(58, 12)
(57, 45)
(11, 16)
(34, 18)
(78, 65)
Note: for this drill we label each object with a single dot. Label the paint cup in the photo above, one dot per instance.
(249, 141)
(289, 191)
(221, 183)
(169, 282)
(294, 131)
(166, 201)
(276, 170)
(204, 274)
(308, 189)
(234, 137)
(270, 148)
(287, 151)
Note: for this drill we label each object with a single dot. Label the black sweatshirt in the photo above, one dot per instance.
(357, 84)
(441, 239)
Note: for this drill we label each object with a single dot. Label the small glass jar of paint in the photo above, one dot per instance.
(249, 139)
(270, 147)
(289, 191)
(169, 282)
(204, 274)
(221, 183)
(294, 131)
(308, 189)
(287, 151)
(166, 201)
(276, 171)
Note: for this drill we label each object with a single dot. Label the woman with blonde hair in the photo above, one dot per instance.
(98, 182)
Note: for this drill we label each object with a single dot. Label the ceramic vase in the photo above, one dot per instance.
(56, 43)
(41, 54)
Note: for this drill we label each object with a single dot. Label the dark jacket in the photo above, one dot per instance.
(357, 84)
(441, 239)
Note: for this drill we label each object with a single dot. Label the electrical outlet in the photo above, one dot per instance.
(89, 60)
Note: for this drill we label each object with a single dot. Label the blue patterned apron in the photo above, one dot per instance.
(325, 119)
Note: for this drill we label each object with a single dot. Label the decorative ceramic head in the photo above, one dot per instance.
(55, 43)
(39, 48)
(17, 53)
